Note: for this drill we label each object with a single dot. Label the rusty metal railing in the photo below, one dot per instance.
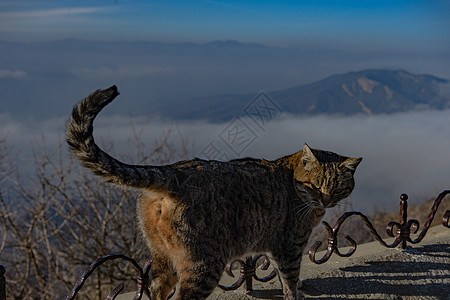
(402, 234)
(247, 274)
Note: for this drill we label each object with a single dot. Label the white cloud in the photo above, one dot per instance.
(4, 73)
(10, 3)
(51, 12)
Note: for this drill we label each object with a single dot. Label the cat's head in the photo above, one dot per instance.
(324, 177)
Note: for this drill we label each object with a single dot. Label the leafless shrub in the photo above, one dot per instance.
(56, 222)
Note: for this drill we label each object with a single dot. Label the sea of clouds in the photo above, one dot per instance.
(402, 153)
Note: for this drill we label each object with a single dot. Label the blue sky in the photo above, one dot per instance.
(369, 23)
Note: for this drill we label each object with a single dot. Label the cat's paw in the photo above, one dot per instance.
(299, 295)
(290, 295)
(296, 294)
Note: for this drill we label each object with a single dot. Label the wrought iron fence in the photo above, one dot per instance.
(400, 230)
(402, 234)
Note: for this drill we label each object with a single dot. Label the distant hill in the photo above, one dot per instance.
(368, 92)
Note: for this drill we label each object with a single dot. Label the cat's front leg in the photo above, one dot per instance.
(287, 255)
(289, 271)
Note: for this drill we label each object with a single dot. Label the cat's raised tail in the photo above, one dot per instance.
(81, 142)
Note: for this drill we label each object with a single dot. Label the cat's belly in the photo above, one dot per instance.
(156, 214)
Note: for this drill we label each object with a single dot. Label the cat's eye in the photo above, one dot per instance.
(312, 185)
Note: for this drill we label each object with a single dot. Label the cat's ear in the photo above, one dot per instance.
(308, 158)
(351, 163)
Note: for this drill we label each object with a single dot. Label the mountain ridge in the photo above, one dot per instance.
(371, 91)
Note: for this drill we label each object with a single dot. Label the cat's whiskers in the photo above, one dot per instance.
(302, 207)
(304, 212)
(306, 208)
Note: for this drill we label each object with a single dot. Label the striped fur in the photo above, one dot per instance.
(197, 215)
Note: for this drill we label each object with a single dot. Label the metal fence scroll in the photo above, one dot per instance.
(401, 231)
(143, 279)
(248, 272)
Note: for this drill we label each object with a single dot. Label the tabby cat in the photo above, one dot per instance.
(197, 215)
